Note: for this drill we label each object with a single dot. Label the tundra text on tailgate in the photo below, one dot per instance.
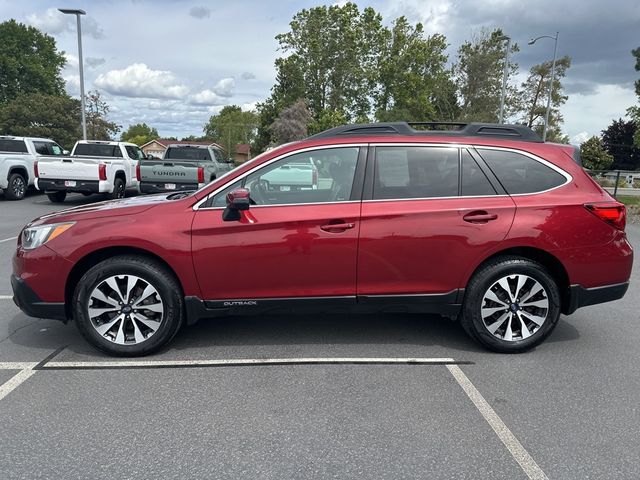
(184, 167)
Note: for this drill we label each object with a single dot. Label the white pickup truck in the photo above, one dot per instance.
(17, 158)
(93, 167)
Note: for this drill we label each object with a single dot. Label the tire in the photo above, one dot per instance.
(118, 189)
(57, 197)
(133, 332)
(519, 318)
(16, 187)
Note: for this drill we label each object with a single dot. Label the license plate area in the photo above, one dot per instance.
(69, 183)
(170, 186)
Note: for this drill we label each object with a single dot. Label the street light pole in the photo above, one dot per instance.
(504, 77)
(553, 74)
(77, 13)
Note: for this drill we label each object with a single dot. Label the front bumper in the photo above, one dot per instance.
(156, 187)
(583, 297)
(27, 300)
(81, 186)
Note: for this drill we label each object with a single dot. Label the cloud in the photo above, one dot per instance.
(94, 62)
(72, 61)
(55, 22)
(138, 80)
(249, 106)
(247, 76)
(225, 87)
(72, 84)
(200, 12)
(206, 97)
(579, 138)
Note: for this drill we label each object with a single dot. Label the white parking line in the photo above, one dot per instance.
(244, 361)
(6, 297)
(526, 461)
(14, 382)
(16, 365)
(8, 239)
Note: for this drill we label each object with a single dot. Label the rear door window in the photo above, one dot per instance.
(519, 173)
(134, 152)
(474, 181)
(47, 148)
(415, 172)
(14, 146)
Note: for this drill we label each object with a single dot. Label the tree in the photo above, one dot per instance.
(231, 126)
(414, 82)
(634, 112)
(594, 155)
(140, 133)
(292, 123)
(96, 110)
(533, 99)
(29, 62)
(39, 115)
(618, 140)
(479, 73)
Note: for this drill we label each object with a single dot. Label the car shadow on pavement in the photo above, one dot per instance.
(385, 335)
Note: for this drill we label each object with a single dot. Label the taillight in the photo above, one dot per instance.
(102, 171)
(613, 213)
(138, 175)
(200, 174)
(35, 169)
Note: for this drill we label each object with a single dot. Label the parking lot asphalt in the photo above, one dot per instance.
(568, 409)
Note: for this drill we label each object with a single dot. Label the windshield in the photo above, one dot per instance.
(97, 150)
(187, 153)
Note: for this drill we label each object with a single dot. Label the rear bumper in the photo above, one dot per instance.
(27, 301)
(583, 297)
(53, 185)
(155, 187)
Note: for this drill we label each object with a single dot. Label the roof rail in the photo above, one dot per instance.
(457, 129)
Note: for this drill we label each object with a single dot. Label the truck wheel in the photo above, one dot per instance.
(128, 305)
(57, 197)
(16, 187)
(118, 189)
(511, 305)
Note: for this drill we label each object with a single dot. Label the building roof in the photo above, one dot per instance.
(165, 143)
(243, 148)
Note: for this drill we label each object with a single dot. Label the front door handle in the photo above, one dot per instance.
(337, 227)
(479, 216)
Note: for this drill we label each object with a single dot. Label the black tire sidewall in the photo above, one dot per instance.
(9, 193)
(474, 323)
(148, 271)
(118, 186)
(57, 197)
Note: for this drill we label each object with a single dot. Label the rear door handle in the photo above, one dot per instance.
(479, 216)
(337, 227)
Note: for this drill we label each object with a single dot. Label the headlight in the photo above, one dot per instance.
(33, 237)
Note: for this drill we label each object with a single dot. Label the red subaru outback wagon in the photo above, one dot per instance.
(481, 222)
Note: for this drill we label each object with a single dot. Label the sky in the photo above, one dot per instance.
(172, 64)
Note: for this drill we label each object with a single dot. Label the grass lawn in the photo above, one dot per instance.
(628, 199)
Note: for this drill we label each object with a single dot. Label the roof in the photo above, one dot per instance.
(243, 148)
(425, 129)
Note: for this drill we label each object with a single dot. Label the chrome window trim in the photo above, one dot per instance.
(275, 159)
(459, 146)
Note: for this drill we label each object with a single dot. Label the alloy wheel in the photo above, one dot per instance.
(18, 186)
(514, 307)
(125, 309)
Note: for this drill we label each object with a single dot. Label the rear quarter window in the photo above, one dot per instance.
(519, 173)
(14, 146)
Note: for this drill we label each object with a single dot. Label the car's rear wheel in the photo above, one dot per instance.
(118, 189)
(128, 306)
(57, 197)
(511, 304)
(16, 187)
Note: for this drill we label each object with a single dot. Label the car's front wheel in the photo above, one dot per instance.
(128, 305)
(16, 188)
(511, 304)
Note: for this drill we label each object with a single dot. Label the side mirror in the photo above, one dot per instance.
(237, 200)
(66, 152)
